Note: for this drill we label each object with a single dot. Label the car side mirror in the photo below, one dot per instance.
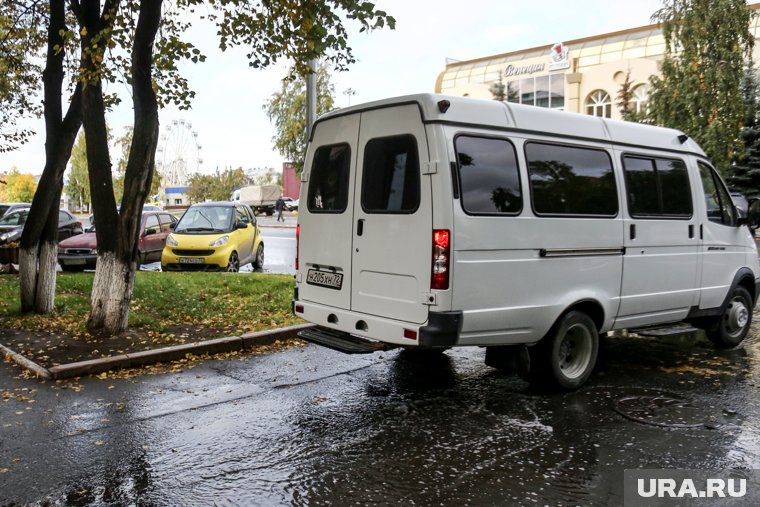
(150, 231)
(753, 214)
(241, 224)
(172, 226)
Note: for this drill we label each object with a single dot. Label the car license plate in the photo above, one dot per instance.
(324, 279)
(191, 260)
(74, 261)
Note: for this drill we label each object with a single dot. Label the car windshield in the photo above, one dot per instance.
(205, 219)
(17, 217)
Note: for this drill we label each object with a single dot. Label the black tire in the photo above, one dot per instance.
(258, 262)
(566, 356)
(233, 265)
(728, 330)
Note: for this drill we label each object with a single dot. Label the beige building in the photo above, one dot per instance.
(581, 75)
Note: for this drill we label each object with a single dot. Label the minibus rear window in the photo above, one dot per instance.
(328, 181)
(391, 175)
(571, 180)
(488, 176)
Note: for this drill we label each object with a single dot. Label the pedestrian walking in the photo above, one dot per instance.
(278, 207)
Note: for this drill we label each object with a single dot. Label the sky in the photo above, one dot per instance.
(228, 118)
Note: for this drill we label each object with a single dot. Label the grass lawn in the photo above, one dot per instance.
(166, 309)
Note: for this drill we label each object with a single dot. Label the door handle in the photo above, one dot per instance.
(691, 231)
(633, 231)
(360, 227)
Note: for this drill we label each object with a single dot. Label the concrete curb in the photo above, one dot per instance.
(166, 354)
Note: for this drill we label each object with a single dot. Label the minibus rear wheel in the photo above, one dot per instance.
(731, 327)
(566, 356)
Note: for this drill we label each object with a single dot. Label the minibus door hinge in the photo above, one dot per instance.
(304, 177)
(431, 168)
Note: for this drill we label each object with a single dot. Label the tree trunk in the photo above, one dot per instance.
(115, 272)
(37, 249)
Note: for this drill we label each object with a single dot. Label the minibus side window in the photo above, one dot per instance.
(720, 208)
(657, 187)
(571, 180)
(328, 181)
(391, 175)
(488, 175)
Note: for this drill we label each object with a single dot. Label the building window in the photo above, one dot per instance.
(598, 103)
(542, 91)
(640, 99)
(178, 202)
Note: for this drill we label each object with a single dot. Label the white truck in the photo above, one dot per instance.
(432, 222)
(261, 198)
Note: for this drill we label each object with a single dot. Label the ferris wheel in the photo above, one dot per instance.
(178, 153)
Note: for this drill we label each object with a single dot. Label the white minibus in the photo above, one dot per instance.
(431, 222)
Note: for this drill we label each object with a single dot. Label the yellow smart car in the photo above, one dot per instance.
(214, 236)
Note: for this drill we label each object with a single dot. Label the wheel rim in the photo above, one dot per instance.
(575, 350)
(233, 265)
(736, 317)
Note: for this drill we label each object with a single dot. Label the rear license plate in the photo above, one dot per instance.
(74, 261)
(324, 279)
(191, 260)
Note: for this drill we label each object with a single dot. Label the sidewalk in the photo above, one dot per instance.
(290, 221)
(160, 355)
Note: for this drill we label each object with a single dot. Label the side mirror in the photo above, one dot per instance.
(753, 214)
(172, 225)
(241, 224)
(150, 231)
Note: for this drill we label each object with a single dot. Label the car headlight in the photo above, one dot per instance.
(171, 241)
(10, 236)
(220, 242)
(94, 251)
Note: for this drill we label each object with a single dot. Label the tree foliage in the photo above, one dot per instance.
(78, 185)
(21, 41)
(19, 187)
(217, 187)
(744, 173)
(91, 43)
(707, 46)
(287, 109)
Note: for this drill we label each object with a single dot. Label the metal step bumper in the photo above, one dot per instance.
(341, 341)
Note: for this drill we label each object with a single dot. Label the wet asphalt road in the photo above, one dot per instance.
(309, 426)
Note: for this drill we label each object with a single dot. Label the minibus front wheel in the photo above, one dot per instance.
(566, 356)
(731, 327)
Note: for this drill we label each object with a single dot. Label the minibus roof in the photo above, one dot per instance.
(466, 111)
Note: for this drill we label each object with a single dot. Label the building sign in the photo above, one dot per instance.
(513, 70)
(558, 57)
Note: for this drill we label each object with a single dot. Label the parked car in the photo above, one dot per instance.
(147, 207)
(291, 204)
(214, 236)
(81, 252)
(12, 225)
(7, 207)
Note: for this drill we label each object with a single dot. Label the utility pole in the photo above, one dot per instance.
(349, 92)
(311, 96)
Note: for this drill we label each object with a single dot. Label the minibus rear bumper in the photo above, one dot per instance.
(440, 331)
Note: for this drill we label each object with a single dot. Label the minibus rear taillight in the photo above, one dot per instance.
(298, 237)
(441, 259)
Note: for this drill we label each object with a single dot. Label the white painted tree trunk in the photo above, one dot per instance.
(27, 277)
(37, 278)
(111, 295)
